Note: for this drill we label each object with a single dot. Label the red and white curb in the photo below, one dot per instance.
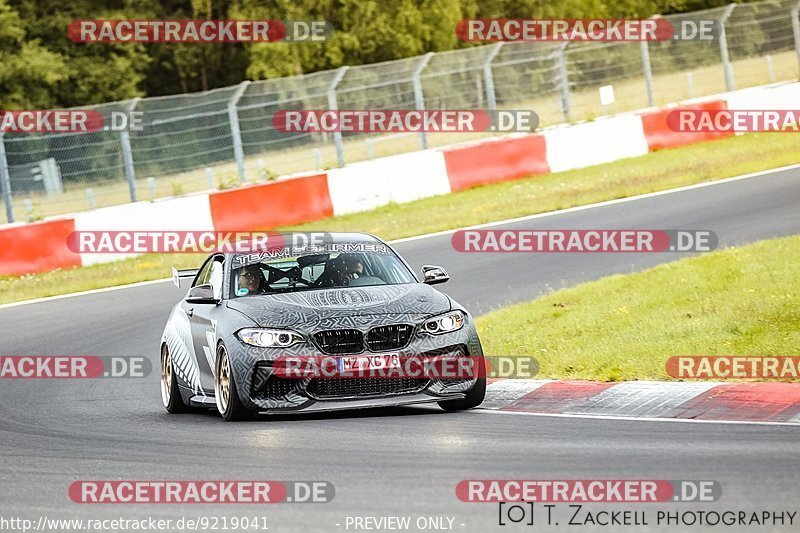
(715, 401)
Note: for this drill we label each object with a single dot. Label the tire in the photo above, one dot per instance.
(170, 393)
(229, 404)
(473, 398)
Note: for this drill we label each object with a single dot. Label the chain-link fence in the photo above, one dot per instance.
(220, 138)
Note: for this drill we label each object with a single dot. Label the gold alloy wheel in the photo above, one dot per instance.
(166, 376)
(223, 380)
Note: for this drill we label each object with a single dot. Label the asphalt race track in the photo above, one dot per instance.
(385, 462)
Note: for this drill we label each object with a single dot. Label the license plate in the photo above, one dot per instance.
(362, 363)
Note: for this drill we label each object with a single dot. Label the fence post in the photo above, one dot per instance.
(333, 105)
(210, 177)
(419, 98)
(563, 80)
(236, 134)
(723, 48)
(770, 69)
(491, 97)
(127, 152)
(5, 182)
(648, 73)
(796, 29)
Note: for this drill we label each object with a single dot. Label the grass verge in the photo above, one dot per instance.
(738, 301)
(652, 172)
(629, 177)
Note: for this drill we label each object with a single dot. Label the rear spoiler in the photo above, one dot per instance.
(179, 274)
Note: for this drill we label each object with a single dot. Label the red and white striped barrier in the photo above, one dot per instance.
(495, 160)
(190, 213)
(399, 178)
(594, 143)
(659, 135)
(288, 201)
(752, 402)
(36, 247)
(40, 247)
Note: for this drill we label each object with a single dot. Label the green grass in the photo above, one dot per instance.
(65, 281)
(738, 301)
(652, 172)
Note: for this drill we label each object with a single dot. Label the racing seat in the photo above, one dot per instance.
(333, 274)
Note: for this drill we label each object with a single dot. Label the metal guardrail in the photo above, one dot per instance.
(216, 138)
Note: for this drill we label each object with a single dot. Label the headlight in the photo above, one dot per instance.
(444, 323)
(269, 338)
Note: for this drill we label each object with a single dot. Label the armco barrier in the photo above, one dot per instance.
(279, 203)
(36, 247)
(593, 143)
(786, 97)
(190, 213)
(659, 135)
(400, 178)
(494, 161)
(41, 246)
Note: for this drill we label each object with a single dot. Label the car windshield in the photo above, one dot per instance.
(316, 271)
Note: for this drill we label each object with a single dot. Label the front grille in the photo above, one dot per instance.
(265, 387)
(340, 341)
(391, 337)
(363, 387)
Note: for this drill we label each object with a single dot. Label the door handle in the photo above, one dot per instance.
(191, 312)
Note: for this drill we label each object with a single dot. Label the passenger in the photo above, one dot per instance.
(353, 266)
(340, 271)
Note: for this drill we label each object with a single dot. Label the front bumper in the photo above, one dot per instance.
(363, 403)
(261, 390)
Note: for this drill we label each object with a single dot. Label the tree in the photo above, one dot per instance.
(28, 72)
(95, 73)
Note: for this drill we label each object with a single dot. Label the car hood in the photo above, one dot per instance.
(272, 310)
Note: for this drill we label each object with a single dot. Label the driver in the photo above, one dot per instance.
(251, 277)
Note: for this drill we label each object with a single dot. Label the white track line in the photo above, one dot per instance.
(641, 419)
(451, 231)
(601, 204)
(85, 293)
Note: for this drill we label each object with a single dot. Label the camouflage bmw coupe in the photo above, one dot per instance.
(350, 299)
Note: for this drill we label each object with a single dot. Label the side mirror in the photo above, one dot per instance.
(434, 274)
(201, 294)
